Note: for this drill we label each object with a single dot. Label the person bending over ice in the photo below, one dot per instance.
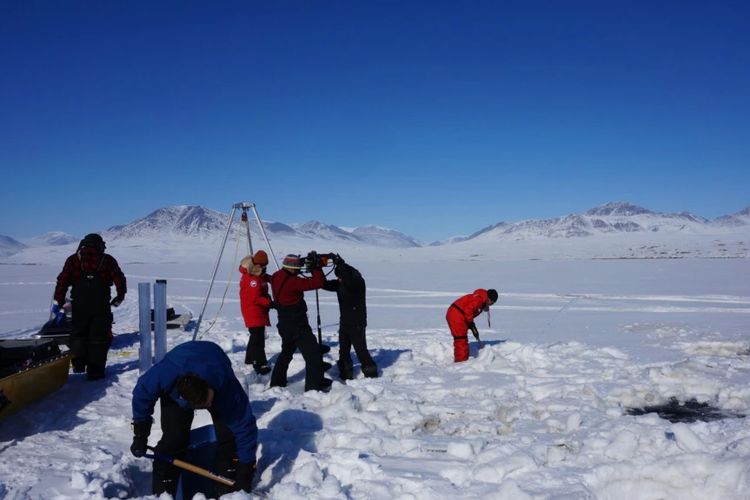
(460, 318)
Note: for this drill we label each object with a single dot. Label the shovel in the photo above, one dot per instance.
(189, 467)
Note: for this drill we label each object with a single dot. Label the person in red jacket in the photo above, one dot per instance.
(90, 273)
(460, 318)
(255, 302)
(289, 289)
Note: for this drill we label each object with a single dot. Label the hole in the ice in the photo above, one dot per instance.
(685, 411)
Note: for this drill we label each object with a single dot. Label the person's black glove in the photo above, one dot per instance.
(337, 259)
(313, 260)
(331, 285)
(141, 431)
(474, 331)
(245, 474)
(117, 301)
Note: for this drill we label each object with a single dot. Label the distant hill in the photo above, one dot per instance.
(381, 236)
(614, 217)
(187, 220)
(612, 230)
(200, 222)
(53, 238)
(9, 246)
(741, 218)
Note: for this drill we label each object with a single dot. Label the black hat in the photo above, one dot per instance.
(492, 294)
(93, 240)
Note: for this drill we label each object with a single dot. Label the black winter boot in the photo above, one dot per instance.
(261, 369)
(325, 386)
(164, 479)
(345, 372)
(370, 371)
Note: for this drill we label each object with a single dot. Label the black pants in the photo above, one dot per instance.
(298, 335)
(175, 425)
(90, 340)
(354, 335)
(256, 346)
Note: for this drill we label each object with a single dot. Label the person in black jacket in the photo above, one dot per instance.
(349, 286)
(91, 273)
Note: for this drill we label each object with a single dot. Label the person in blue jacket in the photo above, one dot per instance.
(195, 375)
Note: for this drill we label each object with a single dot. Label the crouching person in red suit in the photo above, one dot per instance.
(460, 318)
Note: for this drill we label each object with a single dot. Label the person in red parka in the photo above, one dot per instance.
(255, 302)
(460, 318)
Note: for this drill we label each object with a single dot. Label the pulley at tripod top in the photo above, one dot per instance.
(244, 205)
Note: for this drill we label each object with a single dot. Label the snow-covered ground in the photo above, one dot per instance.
(539, 410)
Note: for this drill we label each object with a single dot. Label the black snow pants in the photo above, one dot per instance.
(296, 334)
(354, 335)
(255, 354)
(175, 423)
(92, 325)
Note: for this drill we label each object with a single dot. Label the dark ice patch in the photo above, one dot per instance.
(685, 411)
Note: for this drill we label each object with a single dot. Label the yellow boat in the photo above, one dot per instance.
(30, 369)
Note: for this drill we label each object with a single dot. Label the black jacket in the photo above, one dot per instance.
(350, 289)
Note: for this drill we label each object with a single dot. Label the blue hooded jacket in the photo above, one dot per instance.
(209, 362)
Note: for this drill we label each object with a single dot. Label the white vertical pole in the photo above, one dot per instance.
(144, 324)
(160, 320)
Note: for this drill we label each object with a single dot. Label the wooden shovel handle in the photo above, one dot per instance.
(202, 472)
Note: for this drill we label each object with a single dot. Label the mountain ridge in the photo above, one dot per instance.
(202, 222)
(195, 221)
(612, 217)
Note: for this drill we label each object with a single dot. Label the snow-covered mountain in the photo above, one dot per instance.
(452, 239)
(382, 236)
(621, 208)
(315, 229)
(614, 217)
(185, 220)
(369, 235)
(53, 238)
(200, 222)
(612, 230)
(741, 218)
(9, 246)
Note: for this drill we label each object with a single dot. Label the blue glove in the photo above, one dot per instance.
(58, 312)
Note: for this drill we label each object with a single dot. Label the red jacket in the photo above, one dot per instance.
(254, 299)
(470, 305)
(293, 287)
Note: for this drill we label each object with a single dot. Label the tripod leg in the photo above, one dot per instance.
(216, 269)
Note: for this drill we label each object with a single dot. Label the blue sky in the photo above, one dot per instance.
(433, 117)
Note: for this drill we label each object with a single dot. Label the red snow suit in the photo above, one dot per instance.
(255, 300)
(460, 314)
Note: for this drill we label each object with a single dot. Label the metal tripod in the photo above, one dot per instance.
(244, 206)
